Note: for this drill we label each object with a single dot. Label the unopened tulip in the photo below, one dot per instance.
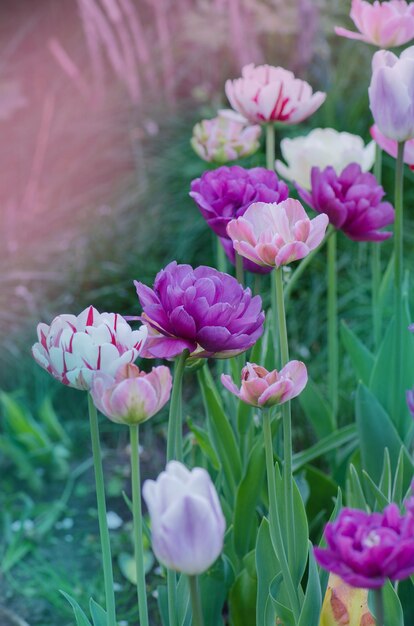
(224, 138)
(262, 388)
(187, 523)
(276, 234)
(391, 94)
(391, 147)
(131, 396)
(320, 148)
(383, 24)
(272, 94)
(345, 605)
(73, 347)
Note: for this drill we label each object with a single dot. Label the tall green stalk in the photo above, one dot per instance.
(137, 515)
(379, 607)
(275, 530)
(398, 270)
(286, 420)
(270, 146)
(198, 619)
(239, 268)
(221, 258)
(103, 523)
(333, 348)
(376, 264)
(175, 451)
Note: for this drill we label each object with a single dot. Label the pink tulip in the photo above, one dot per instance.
(131, 396)
(383, 24)
(391, 147)
(263, 389)
(272, 94)
(73, 347)
(271, 234)
(391, 94)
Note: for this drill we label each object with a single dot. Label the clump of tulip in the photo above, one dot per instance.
(227, 137)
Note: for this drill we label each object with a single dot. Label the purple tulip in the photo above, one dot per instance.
(187, 523)
(410, 400)
(352, 201)
(202, 310)
(365, 549)
(227, 192)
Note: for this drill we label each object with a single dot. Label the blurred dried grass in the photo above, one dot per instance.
(88, 90)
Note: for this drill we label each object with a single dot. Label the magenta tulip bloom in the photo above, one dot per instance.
(391, 94)
(72, 348)
(391, 146)
(272, 94)
(262, 388)
(365, 549)
(226, 137)
(202, 310)
(383, 24)
(351, 200)
(187, 523)
(131, 396)
(276, 234)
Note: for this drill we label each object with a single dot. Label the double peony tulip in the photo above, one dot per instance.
(320, 148)
(272, 94)
(73, 347)
(383, 24)
(187, 523)
(131, 396)
(201, 310)
(352, 200)
(224, 138)
(276, 234)
(262, 388)
(365, 549)
(391, 94)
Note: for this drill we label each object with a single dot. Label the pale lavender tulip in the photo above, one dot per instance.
(276, 234)
(224, 138)
(262, 388)
(383, 24)
(391, 94)
(272, 94)
(391, 147)
(73, 347)
(131, 396)
(187, 523)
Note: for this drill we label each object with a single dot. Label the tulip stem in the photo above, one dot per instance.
(137, 515)
(270, 146)
(398, 269)
(102, 520)
(379, 607)
(287, 420)
(333, 348)
(239, 268)
(376, 263)
(198, 619)
(275, 529)
(175, 430)
(220, 255)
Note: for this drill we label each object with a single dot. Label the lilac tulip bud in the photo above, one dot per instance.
(224, 138)
(391, 146)
(73, 347)
(391, 94)
(132, 396)
(262, 388)
(365, 549)
(383, 24)
(187, 523)
(276, 234)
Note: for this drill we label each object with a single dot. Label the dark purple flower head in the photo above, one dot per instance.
(202, 310)
(226, 193)
(365, 549)
(352, 201)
